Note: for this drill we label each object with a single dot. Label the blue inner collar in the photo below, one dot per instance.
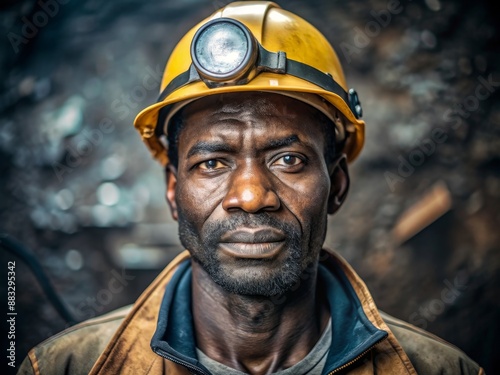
(352, 332)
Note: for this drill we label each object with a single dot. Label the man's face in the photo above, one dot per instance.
(251, 190)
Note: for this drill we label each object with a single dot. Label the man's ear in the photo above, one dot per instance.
(171, 179)
(339, 179)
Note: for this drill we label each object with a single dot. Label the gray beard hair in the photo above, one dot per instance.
(205, 253)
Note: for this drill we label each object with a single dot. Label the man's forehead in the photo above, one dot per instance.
(255, 121)
(263, 104)
(238, 133)
(243, 129)
(263, 114)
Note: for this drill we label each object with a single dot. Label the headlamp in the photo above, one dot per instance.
(224, 52)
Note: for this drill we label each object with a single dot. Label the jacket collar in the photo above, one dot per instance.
(352, 333)
(356, 325)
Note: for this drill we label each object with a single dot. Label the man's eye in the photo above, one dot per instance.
(288, 161)
(211, 164)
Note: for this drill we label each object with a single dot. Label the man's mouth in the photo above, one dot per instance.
(252, 243)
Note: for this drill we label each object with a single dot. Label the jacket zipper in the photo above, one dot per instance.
(200, 371)
(357, 358)
(192, 368)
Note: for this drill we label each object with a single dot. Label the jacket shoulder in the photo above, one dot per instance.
(428, 353)
(74, 350)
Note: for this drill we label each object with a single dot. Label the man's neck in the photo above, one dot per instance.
(257, 335)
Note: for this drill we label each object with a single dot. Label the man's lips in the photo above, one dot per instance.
(253, 235)
(252, 243)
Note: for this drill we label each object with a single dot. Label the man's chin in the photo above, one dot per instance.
(253, 280)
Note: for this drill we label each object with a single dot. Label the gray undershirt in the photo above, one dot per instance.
(312, 364)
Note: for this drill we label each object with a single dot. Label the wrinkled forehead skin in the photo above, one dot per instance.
(269, 112)
(260, 103)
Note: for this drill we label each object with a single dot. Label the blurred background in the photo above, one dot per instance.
(81, 192)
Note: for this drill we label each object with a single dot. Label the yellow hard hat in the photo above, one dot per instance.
(254, 46)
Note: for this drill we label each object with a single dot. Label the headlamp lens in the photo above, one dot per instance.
(221, 48)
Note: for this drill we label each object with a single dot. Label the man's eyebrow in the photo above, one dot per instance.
(282, 142)
(203, 147)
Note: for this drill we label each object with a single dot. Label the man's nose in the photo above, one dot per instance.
(251, 190)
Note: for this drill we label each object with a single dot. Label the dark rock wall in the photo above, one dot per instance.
(80, 189)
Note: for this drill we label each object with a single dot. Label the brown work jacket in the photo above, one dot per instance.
(120, 342)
